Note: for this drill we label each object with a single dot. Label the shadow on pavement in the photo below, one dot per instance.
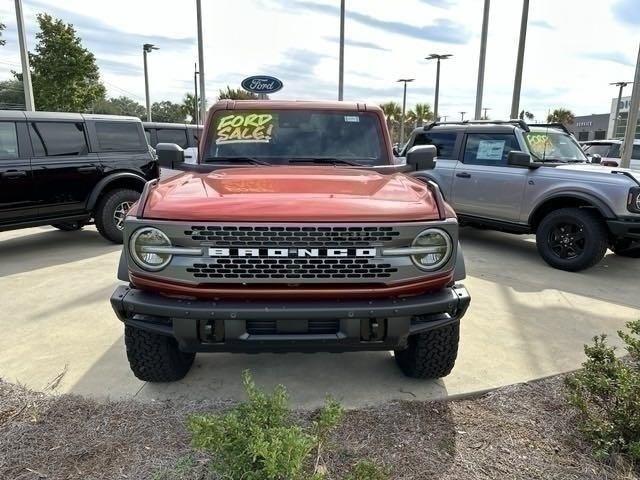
(513, 260)
(49, 247)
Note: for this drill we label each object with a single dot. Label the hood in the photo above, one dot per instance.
(291, 194)
(595, 168)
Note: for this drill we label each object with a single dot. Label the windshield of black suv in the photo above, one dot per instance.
(297, 137)
(553, 146)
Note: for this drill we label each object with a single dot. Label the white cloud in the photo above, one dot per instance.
(569, 62)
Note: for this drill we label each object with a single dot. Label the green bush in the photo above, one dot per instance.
(258, 441)
(606, 393)
(367, 470)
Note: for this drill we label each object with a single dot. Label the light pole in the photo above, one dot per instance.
(438, 57)
(147, 48)
(632, 119)
(196, 108)
(341, 59)
(621, 86)
(483, 56)
(484, 117)
(517, 83)
(462, 116)
(24, 57)
(404, 106)
(203, 96)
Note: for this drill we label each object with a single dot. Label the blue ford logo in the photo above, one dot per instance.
(262, 84)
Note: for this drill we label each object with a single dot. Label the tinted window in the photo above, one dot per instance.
(147, 135)
(443, 141)
(601, 149)
(172, 135)
(119, 136)
(635, 153)
(8, 140)
(489, 149)
(600, 135)
(58, 138)
(582, 136)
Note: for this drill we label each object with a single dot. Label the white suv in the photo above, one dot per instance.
(610, 151)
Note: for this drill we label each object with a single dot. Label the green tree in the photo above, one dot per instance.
(189, 106)
(64, 74)
(236, 94)
(169, 112)
(561, 115)
(121, 106)
(421, 113)
(393, 113)
(526, 115)
(11, 95)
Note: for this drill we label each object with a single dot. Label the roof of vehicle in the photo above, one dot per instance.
(611, 141)
(497, 126)
(21, 115)
(171, 125)
(294, 105)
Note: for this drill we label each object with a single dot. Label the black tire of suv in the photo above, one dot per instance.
(106, 208)
(155, 358)
(595, 233)
(625, 247)
(68, 226)
(431, 354)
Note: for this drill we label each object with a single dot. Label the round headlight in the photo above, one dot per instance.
(438, 247)
(141, 247)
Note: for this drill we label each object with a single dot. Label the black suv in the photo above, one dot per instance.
(65, 169)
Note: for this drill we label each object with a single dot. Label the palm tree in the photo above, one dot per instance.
(392, 112)
(422, 113)
(189, 106)
(561, 115)
(236, 94)
(524, 114)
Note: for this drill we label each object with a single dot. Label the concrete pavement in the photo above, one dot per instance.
(526, 321)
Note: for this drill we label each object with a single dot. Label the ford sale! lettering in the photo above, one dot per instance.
(244, 128)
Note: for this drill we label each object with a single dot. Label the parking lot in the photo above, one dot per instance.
(527, 321)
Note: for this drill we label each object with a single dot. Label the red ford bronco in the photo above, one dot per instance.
(296, 231)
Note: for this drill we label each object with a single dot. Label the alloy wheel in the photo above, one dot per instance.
(120, 213)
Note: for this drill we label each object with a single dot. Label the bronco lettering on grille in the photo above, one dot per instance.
(292, 252)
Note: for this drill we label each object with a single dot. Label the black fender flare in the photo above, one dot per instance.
(102, 184)
(123, 267)
(598, 203)
(460, 270)
(426, 178)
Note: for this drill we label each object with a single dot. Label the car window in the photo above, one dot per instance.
(173, 135)
(635, 153)
(119, 136)
(147, 134)
(489, 149)
(601, 149)
(8, 141)
(443, 141)
(53, 139)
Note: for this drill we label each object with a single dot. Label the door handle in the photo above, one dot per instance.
(87, 169)
(14, 174)
(463, 175)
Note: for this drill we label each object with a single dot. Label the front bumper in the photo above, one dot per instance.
(252, 326)
(625, 228)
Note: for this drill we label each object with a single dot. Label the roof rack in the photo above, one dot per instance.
(516, 121)
(559, 125)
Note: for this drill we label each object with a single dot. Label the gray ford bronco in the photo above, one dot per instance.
(520, 178)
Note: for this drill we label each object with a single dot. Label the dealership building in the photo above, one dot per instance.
(590, 127)
(621, 126)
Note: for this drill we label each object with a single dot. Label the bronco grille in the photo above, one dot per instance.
(292, 268)
(274, 236)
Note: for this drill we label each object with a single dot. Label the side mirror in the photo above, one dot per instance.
(422, 157)
(596, 158)
(170, 155)
(519, 159)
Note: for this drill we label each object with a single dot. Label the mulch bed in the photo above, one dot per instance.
(519, 432)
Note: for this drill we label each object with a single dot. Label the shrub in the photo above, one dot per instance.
(258, 441)
(606, 393)
(367, 470)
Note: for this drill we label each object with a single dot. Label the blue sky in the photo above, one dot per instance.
(575, 48)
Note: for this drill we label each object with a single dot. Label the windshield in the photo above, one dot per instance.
(297, 136)
(552, 146)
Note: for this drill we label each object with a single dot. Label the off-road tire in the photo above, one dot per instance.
(431, 354)
(68, 226)
(155, 358)
(625, 247)
(595, 234)
(106, 208)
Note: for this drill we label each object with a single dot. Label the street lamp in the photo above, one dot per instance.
(341, 57)
(438, 57)
(517, 83)
(621, 85)
(483, 56)
(462, 116)
(404, 106)
(147, 48)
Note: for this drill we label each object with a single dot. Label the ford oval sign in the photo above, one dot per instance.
(262, 84)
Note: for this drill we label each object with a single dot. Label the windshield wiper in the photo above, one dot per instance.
(255, 161)
(331, 160)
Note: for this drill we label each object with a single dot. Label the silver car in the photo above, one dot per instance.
(522, 178)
